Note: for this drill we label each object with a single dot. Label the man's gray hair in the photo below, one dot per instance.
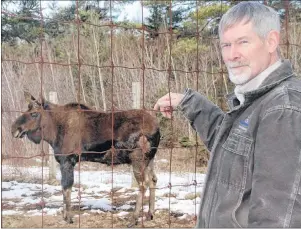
(263, 18)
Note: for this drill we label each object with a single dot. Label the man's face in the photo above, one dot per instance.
(244, 52)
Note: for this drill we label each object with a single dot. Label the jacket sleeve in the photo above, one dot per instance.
(274, 200)
(204, 116)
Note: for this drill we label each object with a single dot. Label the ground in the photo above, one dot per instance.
(175, 207)
(95, 221)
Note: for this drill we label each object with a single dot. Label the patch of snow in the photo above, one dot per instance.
(11, 212)
(98, 211)
(103, 204)
(185, 216)
(121, 214)
(95, 192)
(34, 212)
(125, 207)
(163, 161)
(122, 190)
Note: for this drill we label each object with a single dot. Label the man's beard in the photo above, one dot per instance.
(241, 78)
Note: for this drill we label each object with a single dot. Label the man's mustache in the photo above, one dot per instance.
(236, 64)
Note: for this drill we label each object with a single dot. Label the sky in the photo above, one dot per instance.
(131, 12)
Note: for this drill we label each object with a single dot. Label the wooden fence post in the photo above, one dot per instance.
(52, 162)
(136, 94)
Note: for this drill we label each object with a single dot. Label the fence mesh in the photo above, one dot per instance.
(96, 64)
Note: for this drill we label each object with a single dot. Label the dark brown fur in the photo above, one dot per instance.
(78, 132)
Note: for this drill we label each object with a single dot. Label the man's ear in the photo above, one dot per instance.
(273, 40)
(28, 97)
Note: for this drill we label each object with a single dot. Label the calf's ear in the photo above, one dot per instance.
(28, 97)
(31, 100)
(46, 105)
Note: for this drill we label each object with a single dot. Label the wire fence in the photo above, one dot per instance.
(21, 70)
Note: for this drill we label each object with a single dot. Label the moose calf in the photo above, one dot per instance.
(77, 132)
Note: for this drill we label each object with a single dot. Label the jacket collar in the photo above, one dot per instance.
(283, 72)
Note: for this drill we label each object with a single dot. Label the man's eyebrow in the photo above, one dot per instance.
(224, 43)
(238, 39)
(242, 38)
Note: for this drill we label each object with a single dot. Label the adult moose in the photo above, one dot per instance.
(77, 132)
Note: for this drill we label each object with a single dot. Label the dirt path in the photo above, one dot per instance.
(96, 220)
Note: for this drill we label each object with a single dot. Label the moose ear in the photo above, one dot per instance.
(45, 104)
(28, 97)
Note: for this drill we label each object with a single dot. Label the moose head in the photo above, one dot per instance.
(30, 123)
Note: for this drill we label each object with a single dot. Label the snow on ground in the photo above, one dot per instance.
(174, 190)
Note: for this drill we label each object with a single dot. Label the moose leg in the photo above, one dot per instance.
(67, 204)
(142, 189)
(152, 190)
(67, 171)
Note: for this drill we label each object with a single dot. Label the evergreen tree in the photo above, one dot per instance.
(166, 15)
(25, 25)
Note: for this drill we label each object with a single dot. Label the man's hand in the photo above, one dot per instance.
(167, 103)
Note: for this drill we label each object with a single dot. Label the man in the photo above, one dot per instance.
(254, 173)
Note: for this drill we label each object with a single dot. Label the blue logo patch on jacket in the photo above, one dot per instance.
(244, 124)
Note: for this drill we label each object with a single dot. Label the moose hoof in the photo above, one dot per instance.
(133, 223)
(68, 220)
(149, 216)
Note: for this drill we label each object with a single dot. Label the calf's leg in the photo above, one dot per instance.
(67, 171)
(139, 173)
(152, 178)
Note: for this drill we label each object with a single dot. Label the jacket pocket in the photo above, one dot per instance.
(235, 160)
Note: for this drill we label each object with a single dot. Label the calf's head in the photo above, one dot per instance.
(30, 123)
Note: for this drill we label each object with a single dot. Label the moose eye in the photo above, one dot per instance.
(34, 114)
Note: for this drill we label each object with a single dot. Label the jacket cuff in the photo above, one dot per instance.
(185, 105)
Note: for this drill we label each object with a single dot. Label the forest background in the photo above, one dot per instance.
(86, 53)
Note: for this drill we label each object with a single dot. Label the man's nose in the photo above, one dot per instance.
(234, 53)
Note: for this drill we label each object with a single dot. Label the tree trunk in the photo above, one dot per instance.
(100, 76)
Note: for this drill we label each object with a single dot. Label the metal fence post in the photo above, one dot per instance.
(136, 92)
(52, 162)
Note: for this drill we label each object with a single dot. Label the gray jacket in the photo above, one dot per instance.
(254, 173)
